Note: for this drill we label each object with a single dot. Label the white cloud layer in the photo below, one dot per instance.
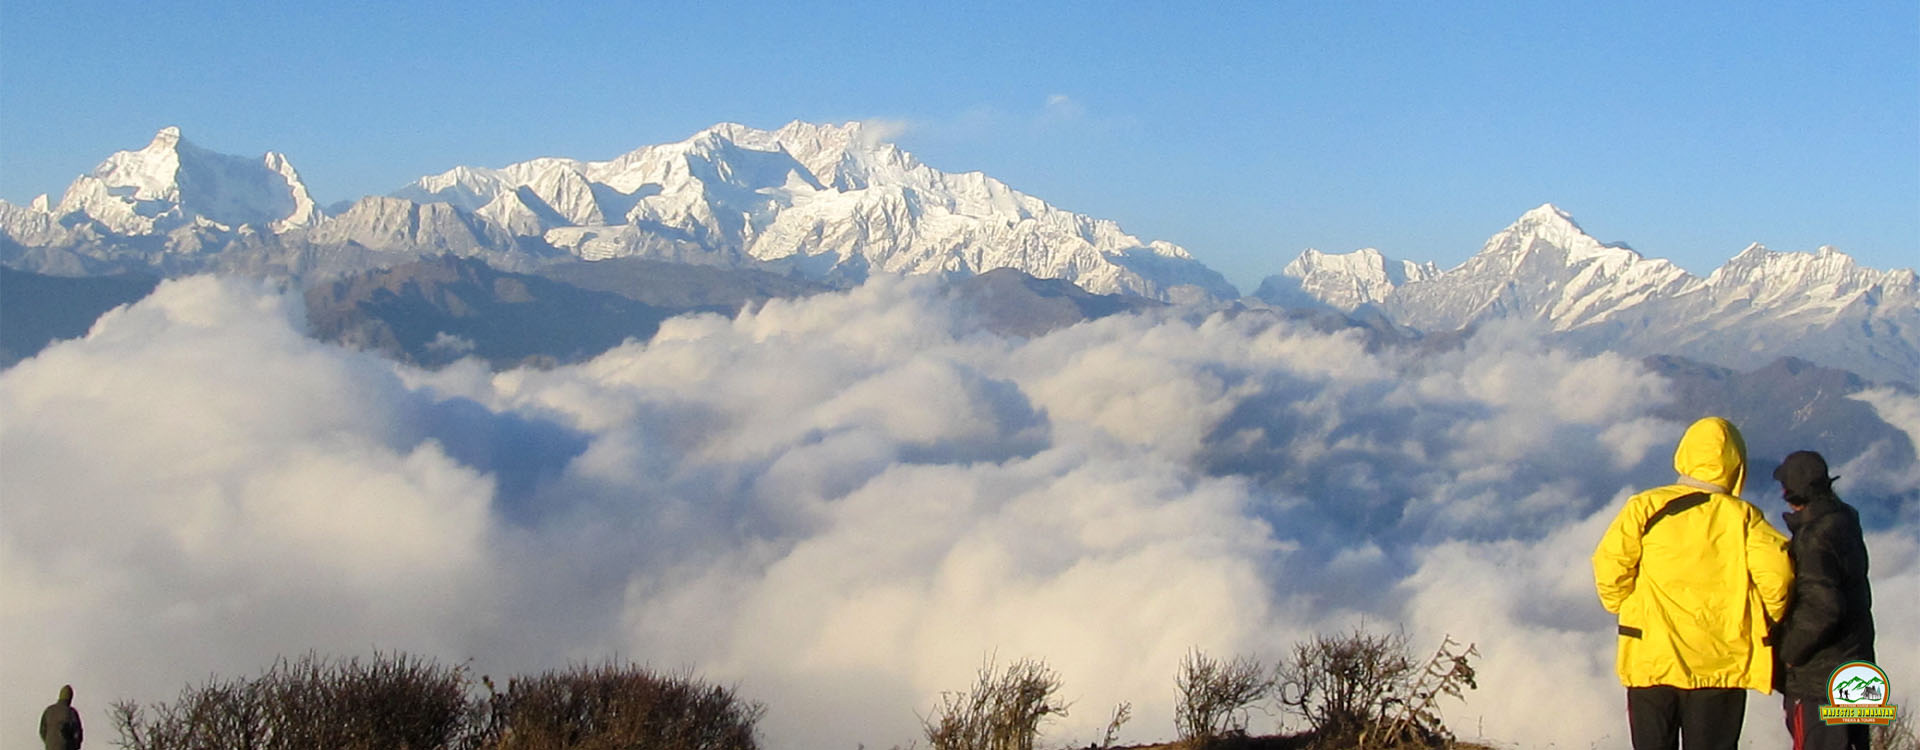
(844, 504)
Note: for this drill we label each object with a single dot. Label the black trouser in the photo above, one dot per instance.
(1667, 718)
(1810, 733)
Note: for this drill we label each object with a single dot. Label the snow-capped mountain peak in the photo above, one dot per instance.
(305, 212)
(844, 156)
(834, 201)
(1543, 266)
(172, 182)
(840, 201)
(1550, 227)
(146, 175)
(820, 197)
(1762, 304)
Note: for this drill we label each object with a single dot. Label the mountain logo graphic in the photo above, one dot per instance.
(1858, 692)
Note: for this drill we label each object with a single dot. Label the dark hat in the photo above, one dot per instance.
(1802, 473)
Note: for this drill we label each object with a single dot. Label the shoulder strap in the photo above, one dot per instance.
(1676, 505)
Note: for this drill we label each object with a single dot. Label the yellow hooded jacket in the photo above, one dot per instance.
(1698, 590)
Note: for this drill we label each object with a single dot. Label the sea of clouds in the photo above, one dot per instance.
(843, 506)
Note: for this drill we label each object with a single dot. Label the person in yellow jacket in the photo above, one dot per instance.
(1698, 578)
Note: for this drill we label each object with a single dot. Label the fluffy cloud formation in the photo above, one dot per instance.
(196, 487)
(844, 504)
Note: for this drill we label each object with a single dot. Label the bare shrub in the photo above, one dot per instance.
(1215, 696)
(400, 702)
(1122, 714)
(1898, 735)
(1414, 717)
(1003, 711)
(217, 714)
(607, 707)
(1340, 684)
(395, 701)
(1363, 690)
(390, 701)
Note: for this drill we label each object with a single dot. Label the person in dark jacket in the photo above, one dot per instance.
(60, 724)
(1829, 619)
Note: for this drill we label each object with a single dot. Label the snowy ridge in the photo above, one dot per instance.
(837, 202)
(1762, 304)
(1823, 279)
(395, 225)
(819, 196)
(1543, 266)
(33, 224)
(1345, 281)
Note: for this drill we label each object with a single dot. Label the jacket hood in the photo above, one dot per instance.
(1712, 451)
(66, 693)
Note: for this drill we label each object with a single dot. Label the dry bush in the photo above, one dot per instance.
(1122, 714)
(1363, 690)
(608, 707)
(1340, 684)
(213, 716)
(391, 701)
(1413, 717)
(1899, 735)
(1002, 712)
(1215, 696)
(404, 703)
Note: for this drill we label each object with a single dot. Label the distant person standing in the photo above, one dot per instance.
(1829, 621)
(1697, 577)
(60, 724)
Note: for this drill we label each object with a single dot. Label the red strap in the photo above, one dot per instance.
(1799, 723)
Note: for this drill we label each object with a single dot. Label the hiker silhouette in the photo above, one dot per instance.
(60, 723)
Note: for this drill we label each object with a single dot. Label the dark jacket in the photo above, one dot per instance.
(1829, 619)
(60, 724)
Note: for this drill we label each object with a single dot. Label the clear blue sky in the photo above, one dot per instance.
(1245, 132)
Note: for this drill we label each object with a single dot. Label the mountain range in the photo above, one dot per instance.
(1856, 690)
(827, 205)
(1759, 306)
(554, 261)
(818, 201)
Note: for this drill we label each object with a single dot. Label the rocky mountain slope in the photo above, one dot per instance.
(434, 311)
(36, 310)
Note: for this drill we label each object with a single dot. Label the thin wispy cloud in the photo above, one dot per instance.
(1061, 109)
(1055, 116)
(876, 131)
